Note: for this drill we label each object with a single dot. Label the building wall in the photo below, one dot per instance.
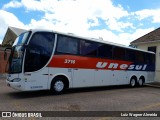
(2, 62)
(145, 46)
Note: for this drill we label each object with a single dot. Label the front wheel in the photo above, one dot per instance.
(57, 86)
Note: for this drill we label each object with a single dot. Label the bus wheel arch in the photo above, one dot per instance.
(58, 84)
(133, 81)
(141, 81)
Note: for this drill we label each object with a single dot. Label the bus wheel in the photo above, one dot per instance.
(133, 82)
(58, 86)
(140, 82)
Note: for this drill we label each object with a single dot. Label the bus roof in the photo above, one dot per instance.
(90, 39)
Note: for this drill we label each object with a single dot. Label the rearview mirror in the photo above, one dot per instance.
(5, 53)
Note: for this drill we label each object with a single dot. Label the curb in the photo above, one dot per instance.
(150, 85)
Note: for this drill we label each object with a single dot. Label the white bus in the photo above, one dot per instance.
(49, 60)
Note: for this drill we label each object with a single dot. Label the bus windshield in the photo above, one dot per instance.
(15, 60)
(17, 53)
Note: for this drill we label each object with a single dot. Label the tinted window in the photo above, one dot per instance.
(150, 58)
(105, 51)
(130, 55)
(39, 51)
(88, 48)
(67, 45)
(153, 49)
(119, 53)
(140, 56)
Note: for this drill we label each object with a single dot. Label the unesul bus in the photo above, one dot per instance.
(42, 60)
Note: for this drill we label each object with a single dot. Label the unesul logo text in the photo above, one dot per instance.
(120, 66)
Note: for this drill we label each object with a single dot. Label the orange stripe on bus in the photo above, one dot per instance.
(71, 61)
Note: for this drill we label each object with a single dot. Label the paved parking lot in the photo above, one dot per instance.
(114, 98)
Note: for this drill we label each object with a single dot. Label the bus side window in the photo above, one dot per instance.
(105, 51)
(140, 57)
(119, 53)
(150, 58)
(67, 45)
(130, 55)
(88, 48)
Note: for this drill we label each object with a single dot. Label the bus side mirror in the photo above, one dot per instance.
(5, 53)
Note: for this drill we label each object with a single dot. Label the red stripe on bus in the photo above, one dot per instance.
(71, 61)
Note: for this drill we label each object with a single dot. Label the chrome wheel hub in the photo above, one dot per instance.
(59, 86)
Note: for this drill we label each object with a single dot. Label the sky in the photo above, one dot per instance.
(118, 21)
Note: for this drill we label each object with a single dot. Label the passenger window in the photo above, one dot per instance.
(119, 53)
(130, 55)
(105, 51)
(140, 56)
(150, 58)
(88, 48)
(67, 45)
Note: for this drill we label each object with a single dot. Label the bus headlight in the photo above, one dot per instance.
(16, 80)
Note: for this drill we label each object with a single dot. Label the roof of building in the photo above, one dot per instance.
(153, 36)
(11, 35)
(17, 31)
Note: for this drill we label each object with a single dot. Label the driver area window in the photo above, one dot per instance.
(39, 51)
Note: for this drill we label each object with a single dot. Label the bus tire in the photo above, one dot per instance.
(133, 82)
(140, 82)
(58, 85)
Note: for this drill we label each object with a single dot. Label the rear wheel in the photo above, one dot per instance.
(58, 86)
(133, 82)
(140, 82)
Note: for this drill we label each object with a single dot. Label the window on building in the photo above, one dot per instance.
(153, 49)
